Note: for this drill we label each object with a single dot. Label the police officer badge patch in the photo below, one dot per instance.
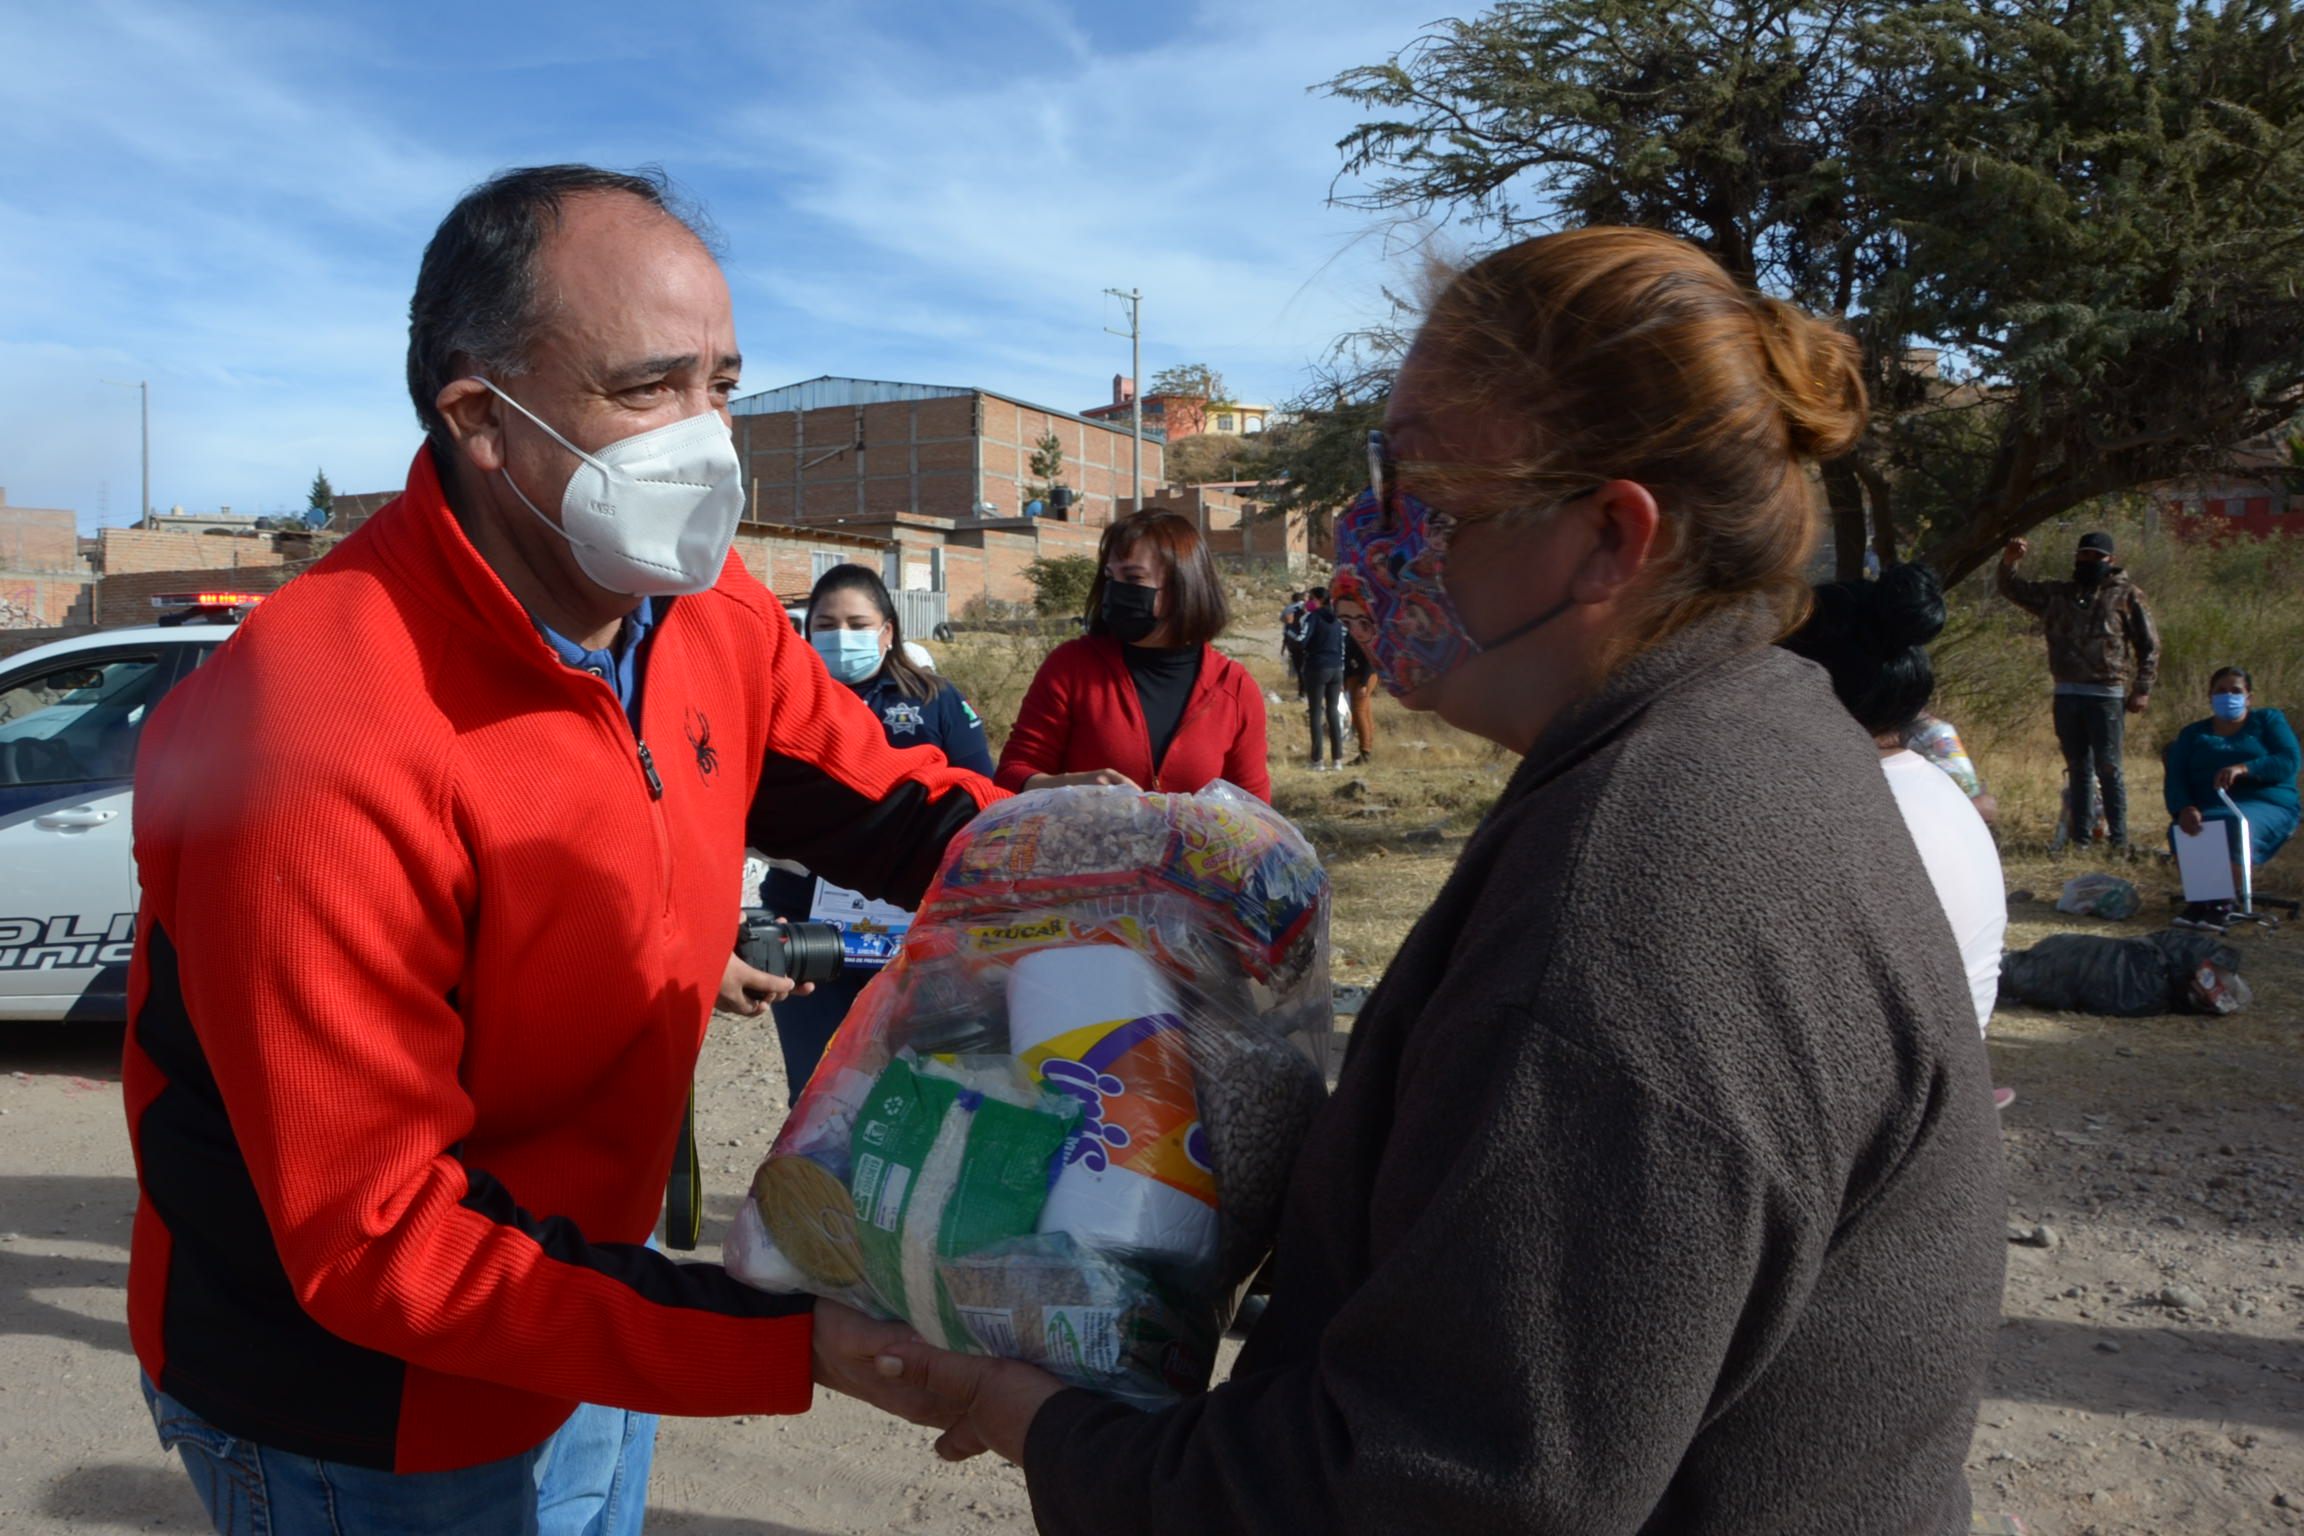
(904, 719)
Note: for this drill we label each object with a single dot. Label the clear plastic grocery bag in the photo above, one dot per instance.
(1059, 1126)
(2099, 895)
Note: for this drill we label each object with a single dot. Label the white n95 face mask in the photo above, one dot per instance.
(651, 515)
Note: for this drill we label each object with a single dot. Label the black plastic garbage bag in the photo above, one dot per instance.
(2128, 978)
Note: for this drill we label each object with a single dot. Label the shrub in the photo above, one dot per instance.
(1061, 582)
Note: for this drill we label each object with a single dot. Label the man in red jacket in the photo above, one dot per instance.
(439, 856)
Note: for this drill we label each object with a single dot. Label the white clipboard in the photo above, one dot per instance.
(2204, 860)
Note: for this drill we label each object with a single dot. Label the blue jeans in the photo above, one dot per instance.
(589, 1479)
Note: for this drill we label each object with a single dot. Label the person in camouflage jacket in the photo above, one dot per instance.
(2103, 654)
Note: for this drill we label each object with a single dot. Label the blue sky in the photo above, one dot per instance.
(230, 199)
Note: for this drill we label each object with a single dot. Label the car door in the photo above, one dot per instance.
(69, 728)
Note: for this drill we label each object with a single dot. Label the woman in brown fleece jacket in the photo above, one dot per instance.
(1660, 1192)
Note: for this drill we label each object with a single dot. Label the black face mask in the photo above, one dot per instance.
(2091, 573)
(1129, 613)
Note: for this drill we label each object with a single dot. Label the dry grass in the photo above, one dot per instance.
(1389, 831)
(993, 668)
(2215, 606)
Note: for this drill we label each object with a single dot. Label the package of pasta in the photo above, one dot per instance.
(1059, 1125)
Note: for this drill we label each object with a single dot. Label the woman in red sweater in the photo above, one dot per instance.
(1143, 698)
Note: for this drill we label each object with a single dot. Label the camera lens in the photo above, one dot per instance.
(812, 952)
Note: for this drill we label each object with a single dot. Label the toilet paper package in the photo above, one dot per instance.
(1059, 1126)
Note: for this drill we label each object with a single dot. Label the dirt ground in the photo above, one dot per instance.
(2150, 1376)
(77, 1451)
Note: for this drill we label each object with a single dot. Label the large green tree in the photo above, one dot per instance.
(1196, 382)
(2089, 208)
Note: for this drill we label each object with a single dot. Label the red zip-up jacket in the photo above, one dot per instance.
(1081, 713)
(427, 946)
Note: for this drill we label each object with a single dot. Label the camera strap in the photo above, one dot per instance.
(684, 1194)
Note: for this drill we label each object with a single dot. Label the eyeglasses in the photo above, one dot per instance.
(1384, 481)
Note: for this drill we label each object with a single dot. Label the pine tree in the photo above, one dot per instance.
(2086, 207)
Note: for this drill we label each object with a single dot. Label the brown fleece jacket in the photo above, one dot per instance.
(1661, 1191)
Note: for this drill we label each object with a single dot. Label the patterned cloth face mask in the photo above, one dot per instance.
(1391, 561)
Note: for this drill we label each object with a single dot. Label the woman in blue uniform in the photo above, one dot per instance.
(853, 626)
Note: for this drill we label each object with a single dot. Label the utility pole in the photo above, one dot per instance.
(1135, 334)
(143, 389)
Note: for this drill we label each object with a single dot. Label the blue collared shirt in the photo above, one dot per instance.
(619, 666)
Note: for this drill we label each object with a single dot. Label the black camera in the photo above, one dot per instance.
(802, 951)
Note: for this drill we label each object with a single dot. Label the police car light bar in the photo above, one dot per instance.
(207, 599)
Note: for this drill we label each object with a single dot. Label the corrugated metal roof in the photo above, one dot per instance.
(835, 393)
(816, 394)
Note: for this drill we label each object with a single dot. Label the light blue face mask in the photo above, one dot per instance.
(850, 655)
(2228, 706)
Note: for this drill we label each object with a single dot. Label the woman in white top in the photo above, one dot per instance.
(1871, 637)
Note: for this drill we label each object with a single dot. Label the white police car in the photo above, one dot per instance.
(71, 714)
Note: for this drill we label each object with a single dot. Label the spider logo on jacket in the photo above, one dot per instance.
(700, 737)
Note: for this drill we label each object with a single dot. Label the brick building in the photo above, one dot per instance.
(136, 564)
(45, 576)
(787, 561)
(922, 483)
(1237, 533)
(861, 450)
(352, 508)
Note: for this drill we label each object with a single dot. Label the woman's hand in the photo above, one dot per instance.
(1070, 780)
(2188, 821)
(746, 991)
(2230, 775)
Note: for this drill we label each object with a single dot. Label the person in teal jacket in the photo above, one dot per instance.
(2251, 755)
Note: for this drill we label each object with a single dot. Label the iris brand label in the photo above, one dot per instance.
(1132, 1079)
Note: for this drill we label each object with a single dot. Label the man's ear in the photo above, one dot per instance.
(475, 421)
(1624, 519)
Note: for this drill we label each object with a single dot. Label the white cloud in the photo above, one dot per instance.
(1003, 200)
(230, 200)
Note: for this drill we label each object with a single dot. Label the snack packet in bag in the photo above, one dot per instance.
(1059, 1126)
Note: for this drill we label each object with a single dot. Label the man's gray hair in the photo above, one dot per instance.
(476, 292)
